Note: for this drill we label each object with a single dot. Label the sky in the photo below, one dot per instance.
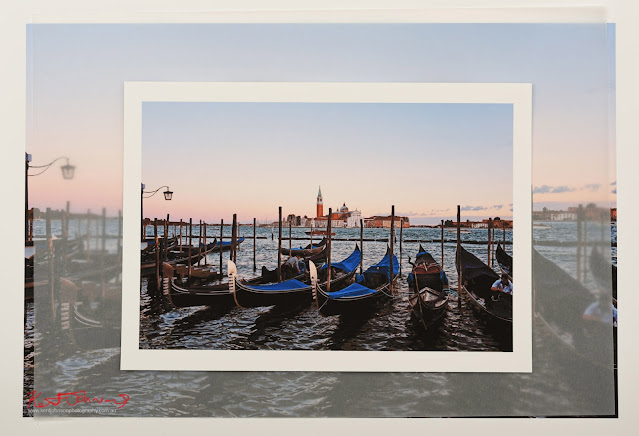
(250, 158)
(76, 74)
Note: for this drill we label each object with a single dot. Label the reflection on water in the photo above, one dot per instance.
(80, 350)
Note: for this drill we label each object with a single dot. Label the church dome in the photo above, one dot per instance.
(343, 209)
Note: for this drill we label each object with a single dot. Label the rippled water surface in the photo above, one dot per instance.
(391, 326)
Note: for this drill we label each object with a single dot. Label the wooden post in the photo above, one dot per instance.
(290, 235)
(460, 280)
(401, 230)
(585, 248)
(205, 247)
(579, 243)
(31, 225)
(272, 233)
(157, 255)
(51, 264)
(279, 246)
(89, 234)
(503, 226)
(199, 243)
(361, 245)
(442, 243)
(234, 238)
(66, 222)
(119, 236)
(189, 248)
(311, 234)
(254, 242)
(103, 242)
(221, 239)
(392, 249)
(492, 242)
(489, 250)
(166, 238)
(329, 243)
(181, 235)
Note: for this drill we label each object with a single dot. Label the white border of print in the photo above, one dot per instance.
(517, 94)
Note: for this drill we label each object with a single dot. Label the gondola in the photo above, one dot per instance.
(604, 275)
(292, 291)
(427, 271)
(496, 308)
(429, 286)
(505, 261)
(562, 304)
(177, 253)
(361, 296)
(205, 293)
(306, 252)
(227, 245)
(148, 268)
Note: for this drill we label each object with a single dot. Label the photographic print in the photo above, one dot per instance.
(260, 267)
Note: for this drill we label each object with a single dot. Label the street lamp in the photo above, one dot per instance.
(168, 195)
(67, 174)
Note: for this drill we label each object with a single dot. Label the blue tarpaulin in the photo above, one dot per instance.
(287, 285)
(228, 243)
(384, 266)
(349, 264)
(354, 290)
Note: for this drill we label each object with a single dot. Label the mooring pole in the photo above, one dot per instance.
(401, 230)
(328, 263)
(254, 243)
(579, 237)
(234, 238)
(392, 249)
(199, 243)
(361, 245)
(221, 246)
(460, 280)
(88, 234)
(181, 235)
(157, 255)
(205, 246)
(166, 238)
(503, 226)
(279, 245)
(190, 245)
(490, 222)
(290, 240)
(51, 265)
(442, 225)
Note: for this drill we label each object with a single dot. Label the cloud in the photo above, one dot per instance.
(614, 191)
(592, 187)
(497, 206)
(473, 208)
(614, 183)
(545, 189)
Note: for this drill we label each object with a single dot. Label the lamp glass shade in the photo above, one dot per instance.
(67, 171)
(168, 194)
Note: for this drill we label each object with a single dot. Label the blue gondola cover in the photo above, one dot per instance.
(349, 264)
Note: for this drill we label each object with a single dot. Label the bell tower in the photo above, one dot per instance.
(320, 203)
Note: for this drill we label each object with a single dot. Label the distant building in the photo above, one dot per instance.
(613, 214)
(342, 218)
(385, 221)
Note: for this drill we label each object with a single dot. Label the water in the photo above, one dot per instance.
(76, 359)
(390, 327)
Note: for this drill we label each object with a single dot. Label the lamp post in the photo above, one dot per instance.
(168, 195)
(67, 174)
